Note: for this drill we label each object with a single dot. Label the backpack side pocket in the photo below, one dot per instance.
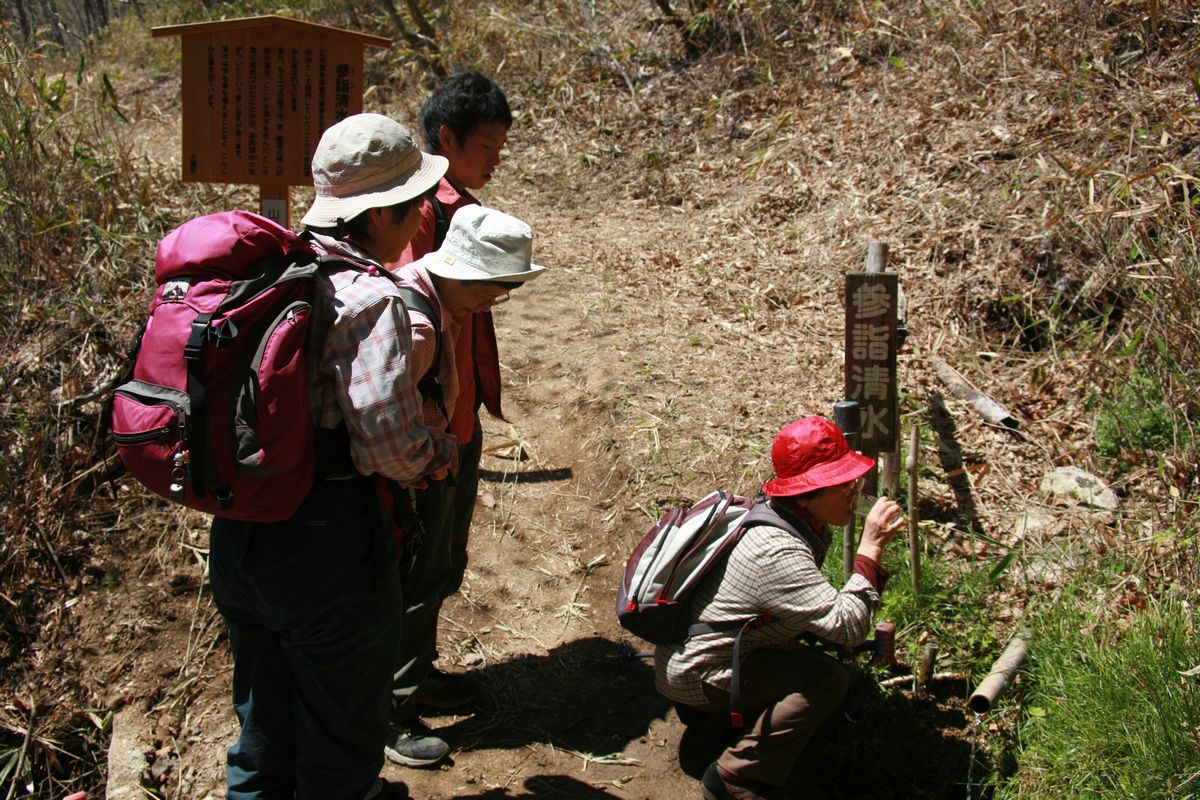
(271, 409)
(150, 427)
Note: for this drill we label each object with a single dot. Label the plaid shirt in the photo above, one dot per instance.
(769, 571)
(425, 344)
(475, 346)
(363, 373)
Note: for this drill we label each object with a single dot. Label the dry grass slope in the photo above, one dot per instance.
(706, 175)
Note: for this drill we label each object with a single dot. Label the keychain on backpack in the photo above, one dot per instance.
(181, 459)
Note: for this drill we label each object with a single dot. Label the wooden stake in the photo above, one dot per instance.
(275, 203)
(914, 506)
(925, 670)
(846, 417)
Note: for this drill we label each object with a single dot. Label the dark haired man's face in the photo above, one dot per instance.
(473, 161)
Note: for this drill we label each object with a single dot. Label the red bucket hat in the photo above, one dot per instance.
(811, 453)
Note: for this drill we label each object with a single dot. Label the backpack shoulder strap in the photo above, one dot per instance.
(759, 514)
(415, 300)
(428, 384)
(763, 514)
(440, 223)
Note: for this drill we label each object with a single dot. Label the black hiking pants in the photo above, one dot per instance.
(313, 606)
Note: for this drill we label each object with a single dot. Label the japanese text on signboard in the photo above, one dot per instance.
(256, 102)
(871, 302)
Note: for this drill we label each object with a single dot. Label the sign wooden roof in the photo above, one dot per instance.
(274, 21)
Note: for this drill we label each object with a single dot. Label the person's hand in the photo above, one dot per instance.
(883, 521)
(423, 483)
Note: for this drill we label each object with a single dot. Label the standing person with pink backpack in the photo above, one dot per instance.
(313, 604)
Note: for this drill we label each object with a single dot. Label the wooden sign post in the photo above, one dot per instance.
(871, 345)
(871, 304)
(846, 417)
(258, 92)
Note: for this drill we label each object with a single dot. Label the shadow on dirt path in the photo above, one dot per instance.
(548, 699)
(951, 460)
(546, 786)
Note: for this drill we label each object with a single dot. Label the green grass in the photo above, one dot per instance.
(1109, 709)
(954, 609)
(1137, 418)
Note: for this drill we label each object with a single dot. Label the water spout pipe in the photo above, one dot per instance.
(998, 679)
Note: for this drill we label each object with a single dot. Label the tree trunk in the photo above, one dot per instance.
(424, 48)
(91, 20)
(355, 22)
(423, 26)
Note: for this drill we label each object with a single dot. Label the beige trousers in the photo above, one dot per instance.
(789, 694)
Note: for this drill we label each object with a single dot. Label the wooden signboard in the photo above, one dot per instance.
(871, 305)
(257, 94)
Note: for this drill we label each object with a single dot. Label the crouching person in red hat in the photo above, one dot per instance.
(786, 690)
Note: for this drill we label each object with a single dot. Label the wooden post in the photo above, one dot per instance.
(877, 257)
(889, 462)
(870, 374)
(925, 670)
(275, 203)
(914, 545)
(846, 417)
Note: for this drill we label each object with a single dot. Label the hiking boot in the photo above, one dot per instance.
(716, 787)
(414, 745)
(446, 691)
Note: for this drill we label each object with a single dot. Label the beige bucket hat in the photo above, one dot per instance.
(367, 161)
(483, 244)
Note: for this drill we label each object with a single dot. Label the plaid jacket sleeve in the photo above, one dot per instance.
(365, 379)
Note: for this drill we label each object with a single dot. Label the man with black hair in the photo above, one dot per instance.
(466, 121)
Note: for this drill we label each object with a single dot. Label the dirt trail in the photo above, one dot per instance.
(633, 379)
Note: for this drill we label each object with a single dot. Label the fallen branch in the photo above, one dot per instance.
(104, 465)
(45, 540)
(961, 388)
(95, 394)
(900, 680)
(19, 769)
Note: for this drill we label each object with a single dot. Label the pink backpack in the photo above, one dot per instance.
(214, 413)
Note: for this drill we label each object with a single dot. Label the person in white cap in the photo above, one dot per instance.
(485, 255)
(313, 604)
(467, 120)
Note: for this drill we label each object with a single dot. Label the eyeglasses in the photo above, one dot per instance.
(505, 285)
(853, 488)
